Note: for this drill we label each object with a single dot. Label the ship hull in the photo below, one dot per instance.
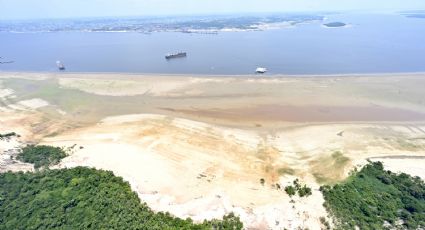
(178, 55)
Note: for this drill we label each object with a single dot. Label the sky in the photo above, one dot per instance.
(32, 9)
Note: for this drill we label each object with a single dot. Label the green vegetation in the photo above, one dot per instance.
(262, 181)
(41, 155)
(377, 199)
(290, 190)
(302, 190)
(83, 198)
(7, 136)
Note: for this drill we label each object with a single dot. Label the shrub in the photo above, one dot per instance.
(7, 136)
(304, 191)
(290, 190)
(41, 155)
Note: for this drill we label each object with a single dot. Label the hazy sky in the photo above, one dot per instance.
(27, 9)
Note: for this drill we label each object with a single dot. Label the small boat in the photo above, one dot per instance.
(175, 55)
(261, 70)
(60, 65)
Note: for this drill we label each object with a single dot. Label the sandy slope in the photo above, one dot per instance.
(198, 146)
(196, 170)
(192, 169)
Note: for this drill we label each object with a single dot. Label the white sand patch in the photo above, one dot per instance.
(33, 103)
(262, 80)
(211, 80)
(9, 148)
(61, 112)
(5, 109)
(16, 107)
(25, 105)
(6, 93)
(414, 167)
(29, 76)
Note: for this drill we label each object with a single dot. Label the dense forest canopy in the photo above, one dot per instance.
(377, 199)
(83, 198)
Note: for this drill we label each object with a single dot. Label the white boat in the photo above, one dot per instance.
(60, 65)
(261, 70)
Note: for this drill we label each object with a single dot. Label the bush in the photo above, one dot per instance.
(302, 190)
(41, 155)
(7, 136)
(290, 190)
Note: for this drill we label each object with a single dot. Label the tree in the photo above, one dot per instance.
(290, 190)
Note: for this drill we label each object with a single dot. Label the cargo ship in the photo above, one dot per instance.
(175, 55)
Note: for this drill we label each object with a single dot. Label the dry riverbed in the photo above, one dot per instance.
(197, 146)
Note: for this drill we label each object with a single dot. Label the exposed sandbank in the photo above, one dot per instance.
(198, 146)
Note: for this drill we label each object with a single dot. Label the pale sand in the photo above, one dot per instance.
(413, 165)
(164, 159)
(198, 146)
(5, 93)
(152, 86)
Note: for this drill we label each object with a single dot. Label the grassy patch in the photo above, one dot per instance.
(377, 199)
(329, 169)
(286, 171)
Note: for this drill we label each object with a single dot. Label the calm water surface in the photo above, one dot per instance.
(372, 44)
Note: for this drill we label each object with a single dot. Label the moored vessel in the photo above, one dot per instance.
(175, 55)
(60, 65)
(260, 70)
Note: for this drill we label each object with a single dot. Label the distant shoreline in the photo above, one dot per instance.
(266, 76)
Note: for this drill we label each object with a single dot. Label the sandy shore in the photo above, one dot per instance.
(198, 146)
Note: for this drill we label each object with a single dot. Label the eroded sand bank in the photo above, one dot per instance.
(198, 146)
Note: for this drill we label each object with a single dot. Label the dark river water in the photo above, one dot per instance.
(371, 44)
